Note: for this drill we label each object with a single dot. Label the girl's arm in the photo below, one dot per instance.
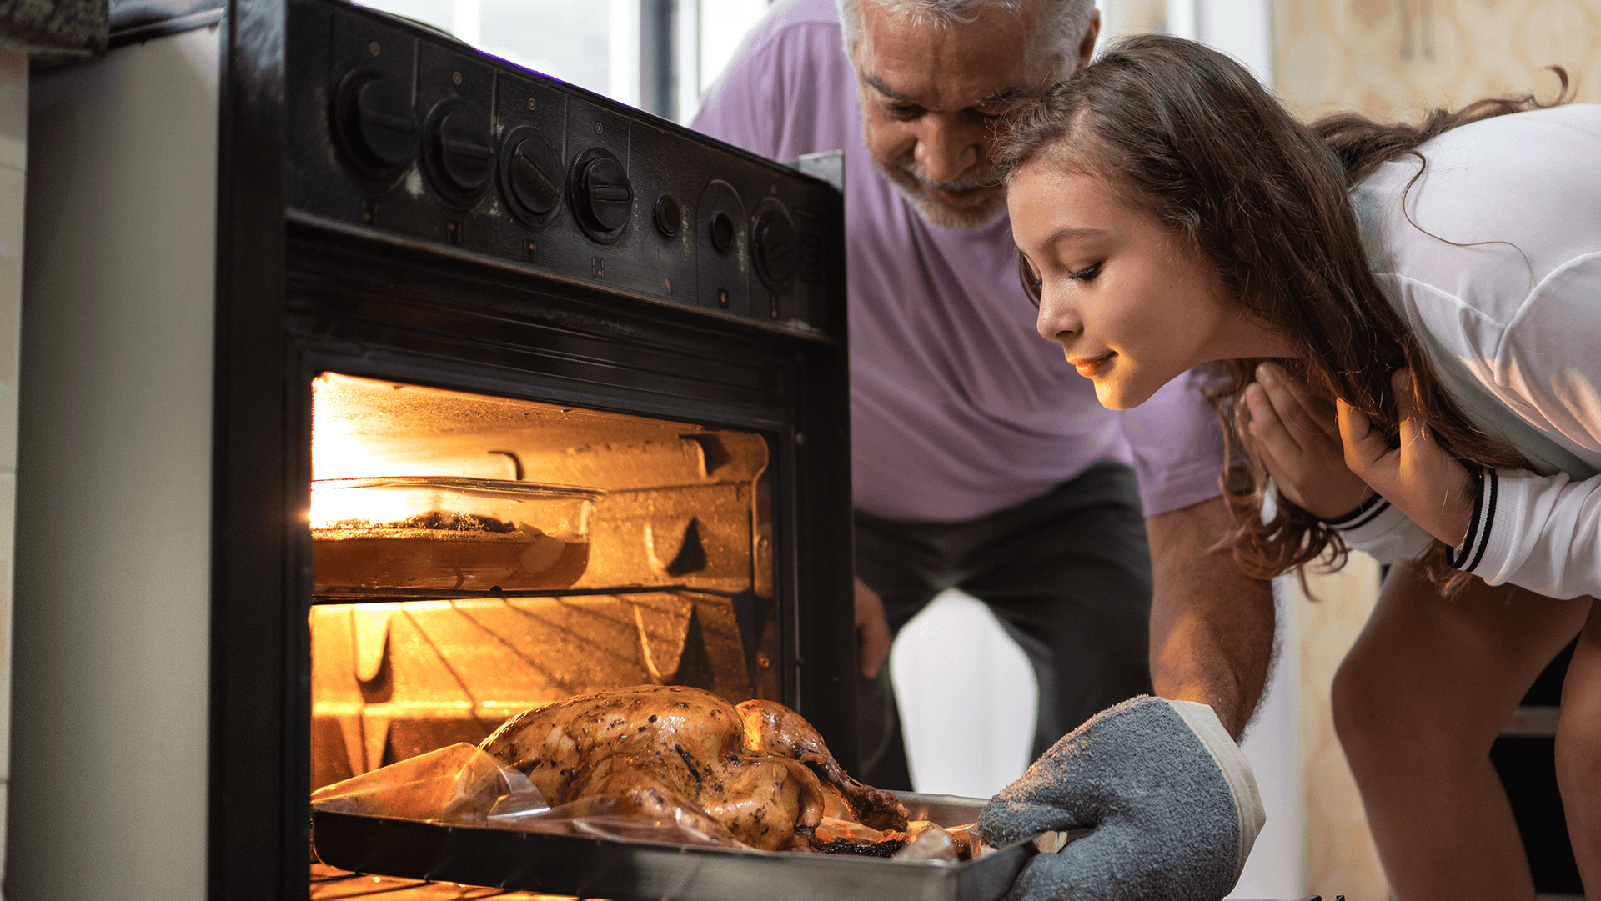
(1542, 533)
(1538, 532)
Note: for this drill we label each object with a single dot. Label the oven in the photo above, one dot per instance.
(375, 389)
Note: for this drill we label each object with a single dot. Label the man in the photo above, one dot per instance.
(981, 460)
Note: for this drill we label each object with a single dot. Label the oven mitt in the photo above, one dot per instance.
(1169, 800)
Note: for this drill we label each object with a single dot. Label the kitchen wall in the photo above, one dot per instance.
(1396, 58)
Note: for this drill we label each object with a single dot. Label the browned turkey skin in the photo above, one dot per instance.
(757, 773)
(775, 729)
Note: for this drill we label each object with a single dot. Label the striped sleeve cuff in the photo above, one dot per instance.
(1370, 510)
(1381, 530)
(1470, 553)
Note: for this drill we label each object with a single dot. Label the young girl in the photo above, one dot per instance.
(1430, 302)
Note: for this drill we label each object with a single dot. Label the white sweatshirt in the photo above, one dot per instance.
(1513, 327)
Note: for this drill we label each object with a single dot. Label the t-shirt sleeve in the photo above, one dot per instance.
(768, 100)
(1177, 445)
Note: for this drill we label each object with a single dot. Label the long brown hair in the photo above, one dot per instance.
(1188, 135)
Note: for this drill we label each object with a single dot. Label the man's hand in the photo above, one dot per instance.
(1294, 434)
(872, 631)
(1430, 486)
(1169, 800)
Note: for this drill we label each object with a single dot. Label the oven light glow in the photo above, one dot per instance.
(337, 456)
(331, 504)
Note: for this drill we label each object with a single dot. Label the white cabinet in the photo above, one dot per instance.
(13, 179)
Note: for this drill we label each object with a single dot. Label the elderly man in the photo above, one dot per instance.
(981, 460)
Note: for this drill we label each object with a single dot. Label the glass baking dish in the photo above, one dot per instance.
(441, 533)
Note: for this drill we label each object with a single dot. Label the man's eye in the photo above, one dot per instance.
(1087, 274)
(903, 110)
(993, 112)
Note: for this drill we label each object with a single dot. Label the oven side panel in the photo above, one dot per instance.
(114, 493)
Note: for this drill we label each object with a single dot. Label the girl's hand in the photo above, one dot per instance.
(1293, 434)
(1430, 486)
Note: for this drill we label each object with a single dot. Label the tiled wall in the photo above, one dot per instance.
(13, 167)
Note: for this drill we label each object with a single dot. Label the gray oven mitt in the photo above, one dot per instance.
(1169, 799)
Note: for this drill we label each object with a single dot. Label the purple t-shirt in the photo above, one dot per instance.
(958, 407)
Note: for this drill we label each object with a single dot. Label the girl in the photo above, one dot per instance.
(1430, 302)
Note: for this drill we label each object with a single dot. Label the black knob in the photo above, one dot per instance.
(722, 232)
(775, 245)
(374, 122)
(602, 195)
(464, 149)
(669, 215)
(533, 176)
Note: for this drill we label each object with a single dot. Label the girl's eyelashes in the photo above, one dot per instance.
(1034, 283)
(1087, 274)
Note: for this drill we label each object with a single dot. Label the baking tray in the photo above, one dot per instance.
(622, 869)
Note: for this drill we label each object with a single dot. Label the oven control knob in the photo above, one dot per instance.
(602, 196)
(669, 215)
(374, 123)
(532, 173)
(463, 148)
(775, 245)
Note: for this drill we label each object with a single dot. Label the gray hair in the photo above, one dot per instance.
(1060, 29)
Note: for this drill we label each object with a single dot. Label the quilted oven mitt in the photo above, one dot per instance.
(1170, 801)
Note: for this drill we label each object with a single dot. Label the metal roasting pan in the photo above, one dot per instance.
(591, 867)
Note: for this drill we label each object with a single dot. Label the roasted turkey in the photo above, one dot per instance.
(756, 772)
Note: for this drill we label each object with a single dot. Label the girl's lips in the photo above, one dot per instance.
(1089, 368)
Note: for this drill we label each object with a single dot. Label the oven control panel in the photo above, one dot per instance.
(411, 137)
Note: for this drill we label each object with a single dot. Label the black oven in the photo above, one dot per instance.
(375, 389)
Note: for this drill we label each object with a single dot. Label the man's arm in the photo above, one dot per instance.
(1211, 625)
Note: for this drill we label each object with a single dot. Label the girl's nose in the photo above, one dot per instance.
(1057, 320)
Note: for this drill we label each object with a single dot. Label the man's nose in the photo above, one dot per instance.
(948, 147)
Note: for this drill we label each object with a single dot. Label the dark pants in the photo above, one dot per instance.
(1067, 574)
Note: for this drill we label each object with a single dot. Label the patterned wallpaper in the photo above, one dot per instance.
(1393, 59)
(1341, 859)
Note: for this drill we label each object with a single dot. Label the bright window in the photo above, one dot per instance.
(657, 55)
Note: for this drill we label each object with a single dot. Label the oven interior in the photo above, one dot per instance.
(474, 556)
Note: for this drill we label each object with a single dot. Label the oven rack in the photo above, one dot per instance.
(340, 595)
(333, 884)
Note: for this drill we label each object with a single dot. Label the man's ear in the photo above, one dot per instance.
(1086, 47)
